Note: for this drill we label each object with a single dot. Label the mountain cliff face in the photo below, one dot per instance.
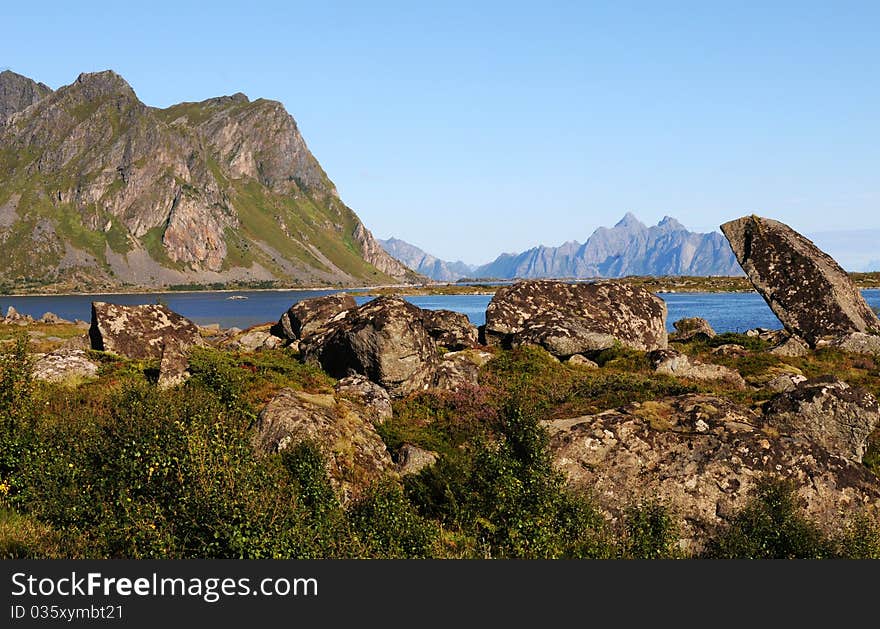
(424, 263)
(98, 190)
(629, 248)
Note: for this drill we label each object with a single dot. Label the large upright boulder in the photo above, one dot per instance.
(310, 316)
(385, 340)
(809, 292)
(569, 319)
(140, 332)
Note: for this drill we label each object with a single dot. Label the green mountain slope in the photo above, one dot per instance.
(100, 191)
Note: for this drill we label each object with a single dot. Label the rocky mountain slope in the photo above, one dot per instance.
(98, 190)
(424, 263)
(628, 248)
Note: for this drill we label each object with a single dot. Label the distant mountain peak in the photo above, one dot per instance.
(629, 220)
(670, 223)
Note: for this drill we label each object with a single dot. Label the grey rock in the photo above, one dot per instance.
(355, 454)
(173, 364)
(582, 361)
(730, 349)
(460, 369)
(570, 319)
(374, 399)
(672, 363)
(692, 327)
(310, 316)
(52, 318)
(701, 455)
(791, 347)
(140, 332)
(65, 365)
(452, 330)
(413, 459)
(384, 340)
(828, 412)
(859, 343)
(809, 292)
(785, 382)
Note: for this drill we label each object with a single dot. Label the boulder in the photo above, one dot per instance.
(15, 317)
(785, 382)
(452, 330)
(672, 363)
(730, 349)
(569, 319)
(374, 399)
(355, 454)
(383, 340)
(701, 455)
(828, 412)
(792, 347)
(458, 369)
(690, 328)
(140, 332)
(809, 292)
(859, 343)
(52, 318)
(413, 459)
(309, 316)
(65, 365)
(582, 361)
(254, 339)
(173, 364)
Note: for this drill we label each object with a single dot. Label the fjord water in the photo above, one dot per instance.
(726, 312)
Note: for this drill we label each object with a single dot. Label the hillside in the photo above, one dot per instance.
(424, 263)
(99, 191)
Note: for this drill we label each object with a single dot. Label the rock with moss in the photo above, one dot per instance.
(672, 363)
(809, 292)
(384, 340)
(374, 399)
(579, 360)
(859, 343)
(67, 365)
(140, 332)
(691, 328)
(792, 347)
(355, 454)
(826, 411)
(412, 459)
(310, 316)
(701, 456)
(568, 319)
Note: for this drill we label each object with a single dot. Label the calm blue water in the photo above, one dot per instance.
(726, 312)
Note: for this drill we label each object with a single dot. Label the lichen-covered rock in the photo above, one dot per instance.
(310, 316)
(452, 330)
(458, 369)
(174, 364)
(355, 454)
(65, 365)
(690, 328)
(253, 339)
(374, 399)
(809, 292)
(672, 363)
(52, 319)
(785, 382)
(792, 347)
(569, 319)
(383, 340)
(859, 343)
(730, 349)
(413, 459)
(701, 455)
(828, 412)
(140, 332)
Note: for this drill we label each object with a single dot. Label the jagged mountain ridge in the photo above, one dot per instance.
(628, 248)
(99, 190)
(424, 263)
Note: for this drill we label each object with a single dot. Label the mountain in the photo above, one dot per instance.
(100, 191)
(425, 263)
(628, 248)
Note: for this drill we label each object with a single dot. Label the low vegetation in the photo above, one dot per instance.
(119, 468)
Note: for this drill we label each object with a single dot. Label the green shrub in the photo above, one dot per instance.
(650, 532)
(17, 410)
(771, 526)
(386, 526)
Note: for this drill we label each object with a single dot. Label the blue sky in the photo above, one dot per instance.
(479, 127)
